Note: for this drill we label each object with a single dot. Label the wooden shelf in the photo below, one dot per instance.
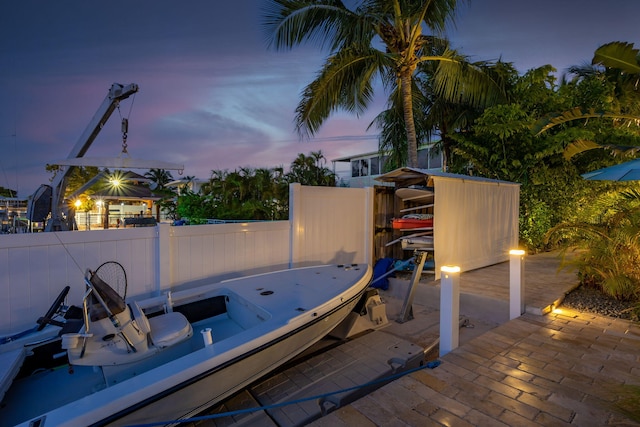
(415, 229)
(416, 208)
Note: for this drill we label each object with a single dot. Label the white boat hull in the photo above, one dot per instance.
(266, 321)
(197, 394)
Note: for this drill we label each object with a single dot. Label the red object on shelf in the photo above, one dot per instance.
(407, 223)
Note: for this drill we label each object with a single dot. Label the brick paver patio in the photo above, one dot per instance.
(546, 368)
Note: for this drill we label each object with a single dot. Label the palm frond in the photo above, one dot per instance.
(328, 23)
(578, 113)
(458, 80)
(579, 146)
(582, 145)
(345, 81)
(618, 55)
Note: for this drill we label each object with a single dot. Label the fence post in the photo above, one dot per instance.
(163, 258)
(516, 283)
(295, 232)
(449, 308)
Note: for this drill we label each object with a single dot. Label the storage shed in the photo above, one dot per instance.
(475, 220)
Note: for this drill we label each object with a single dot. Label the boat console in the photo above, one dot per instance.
(116, 333)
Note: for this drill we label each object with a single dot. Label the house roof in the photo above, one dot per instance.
(130, 176)
(423, 146)
(410, 176)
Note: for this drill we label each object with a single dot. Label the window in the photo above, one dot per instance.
(375, 166)
(355, 168)
(359, 167)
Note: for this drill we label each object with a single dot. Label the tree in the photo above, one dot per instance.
(253, 194)
(7, 192)
(311, 170)
(245, 193)
(378, 39)
(500, 145)
(614, 65)
(160, 177)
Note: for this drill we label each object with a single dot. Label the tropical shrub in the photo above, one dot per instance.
(252, 194)
(609, 243)
(534, 221)
(194, 207)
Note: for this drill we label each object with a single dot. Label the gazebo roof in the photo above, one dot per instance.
(130, 188)
(126, 192)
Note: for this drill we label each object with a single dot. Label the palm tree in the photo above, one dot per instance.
(160, 177)
(437, 113)
(311, 170)
(379, 39)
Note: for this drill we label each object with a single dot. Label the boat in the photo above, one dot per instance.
(417, 242)
(413, 221)
(169, 357)
(424, 197)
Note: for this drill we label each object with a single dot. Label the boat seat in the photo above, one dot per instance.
(164, 330)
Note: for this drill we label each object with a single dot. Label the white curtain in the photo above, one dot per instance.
(475, 222)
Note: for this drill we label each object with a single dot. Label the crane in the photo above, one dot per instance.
(50, 200)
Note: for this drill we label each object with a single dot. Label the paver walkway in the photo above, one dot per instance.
(564, 368)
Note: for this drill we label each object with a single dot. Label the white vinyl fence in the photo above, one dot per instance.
(326, 225)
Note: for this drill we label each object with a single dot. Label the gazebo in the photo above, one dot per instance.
(128, 187)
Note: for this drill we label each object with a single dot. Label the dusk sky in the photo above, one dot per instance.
(212, 95)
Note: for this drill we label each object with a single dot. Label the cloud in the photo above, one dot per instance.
(212, 96)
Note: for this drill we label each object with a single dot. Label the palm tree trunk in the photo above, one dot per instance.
(446, 147)
(407, 106)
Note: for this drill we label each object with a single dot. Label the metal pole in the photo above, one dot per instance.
(407, 310)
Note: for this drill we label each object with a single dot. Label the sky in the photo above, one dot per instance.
(213, 95)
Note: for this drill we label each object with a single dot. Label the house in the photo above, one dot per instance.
(192, 185)
(361, 170)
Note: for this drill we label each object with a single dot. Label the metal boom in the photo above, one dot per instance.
(117, 93)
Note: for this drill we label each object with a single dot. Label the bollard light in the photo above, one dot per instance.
(516, 283)
(449, 308)
(450, 269)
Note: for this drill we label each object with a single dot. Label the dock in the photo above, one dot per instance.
(551, 366)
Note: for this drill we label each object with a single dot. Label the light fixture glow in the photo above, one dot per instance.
(516, 252)
(450, 269)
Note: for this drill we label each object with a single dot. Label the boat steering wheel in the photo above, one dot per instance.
(48, 317)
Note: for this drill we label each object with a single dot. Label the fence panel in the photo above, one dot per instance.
(34, 268)
(226, 250)
(331, 225)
